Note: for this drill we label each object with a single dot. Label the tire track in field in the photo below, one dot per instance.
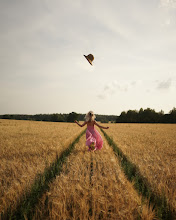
(26, 208)
(91, 186)
(69, 196)
(142, 186)
(113, 196)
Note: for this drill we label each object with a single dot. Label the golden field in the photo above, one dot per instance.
(26, 148)
(152, 147)
(92, 186)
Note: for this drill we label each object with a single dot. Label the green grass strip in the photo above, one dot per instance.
(26, 208)
(141, 184)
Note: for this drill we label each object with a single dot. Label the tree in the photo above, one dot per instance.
(55, 117)
(173, 111)
(72, 117)
(132, 116)
(122, 117)
(173, 115)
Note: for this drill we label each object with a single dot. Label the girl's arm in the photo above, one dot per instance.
(82, 124)
(100, 126)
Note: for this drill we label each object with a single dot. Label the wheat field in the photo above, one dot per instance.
(91, 185)
(26, 148)
(152, 147)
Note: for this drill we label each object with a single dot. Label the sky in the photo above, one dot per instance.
(43, 70)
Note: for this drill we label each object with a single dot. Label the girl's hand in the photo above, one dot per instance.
(107, 127)
(76, 122)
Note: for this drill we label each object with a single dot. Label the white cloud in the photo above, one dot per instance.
(170, 4)
(168, 16)
(165, 85)
(118, 86)
(102, 96)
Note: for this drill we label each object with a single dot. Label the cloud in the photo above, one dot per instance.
(165, 85)
(170, 4)
(168, 16)
(112, 87)
(101, 96)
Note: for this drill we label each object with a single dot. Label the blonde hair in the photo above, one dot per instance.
(90, 116)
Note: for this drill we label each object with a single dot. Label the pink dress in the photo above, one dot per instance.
(93, 136)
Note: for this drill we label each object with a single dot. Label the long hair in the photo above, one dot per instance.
(90, 116)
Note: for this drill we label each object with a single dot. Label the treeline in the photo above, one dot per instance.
(146, 116)
(39, 117)
(131, 116)
(101, 118)
(71, 117)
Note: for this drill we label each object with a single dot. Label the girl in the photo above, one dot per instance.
(93, 138)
